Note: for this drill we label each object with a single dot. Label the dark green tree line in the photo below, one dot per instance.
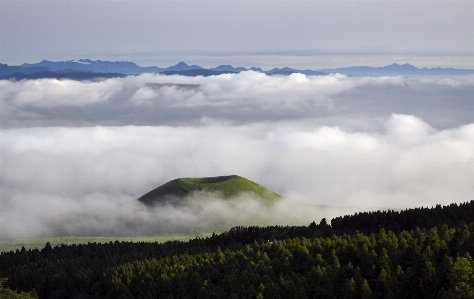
(317, 261)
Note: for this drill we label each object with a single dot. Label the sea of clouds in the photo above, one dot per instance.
(75, 155)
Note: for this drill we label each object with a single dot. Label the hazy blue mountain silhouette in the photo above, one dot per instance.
(123, 67)
(396, 70)
(71, 69)
(182, 66)
(289, 71)
(256, 69)
(5, 69)
(228, 68)
(73, 75)
(197, 72)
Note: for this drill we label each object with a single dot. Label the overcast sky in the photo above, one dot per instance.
(300, 34)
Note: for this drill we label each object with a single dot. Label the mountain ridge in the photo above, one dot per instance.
(182, 68)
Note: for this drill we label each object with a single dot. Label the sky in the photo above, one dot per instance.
(75, 155)
(300, 34)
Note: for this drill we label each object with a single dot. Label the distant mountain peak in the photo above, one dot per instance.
(183, 66)
(256, 69)
(228, 67)
(397, 65)
(396, 69)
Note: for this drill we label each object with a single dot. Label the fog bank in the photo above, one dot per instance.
(85, 180)
(247, 97)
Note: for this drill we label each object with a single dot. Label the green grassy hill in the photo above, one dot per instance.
(228, 186)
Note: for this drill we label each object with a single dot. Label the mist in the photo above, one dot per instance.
(100, 215)
(77, 180)
(76, 155)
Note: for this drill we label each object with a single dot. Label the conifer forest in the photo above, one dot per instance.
(415, 253)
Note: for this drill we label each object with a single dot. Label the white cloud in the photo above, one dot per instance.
(247, 97)
(318, 140)
(53, 174)
(53, 92)
(407, 128)
(144, 95)
(242, 90)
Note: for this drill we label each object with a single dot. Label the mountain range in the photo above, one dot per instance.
(84, 69)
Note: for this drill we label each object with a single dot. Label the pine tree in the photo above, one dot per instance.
(461, 279)
(366, 292)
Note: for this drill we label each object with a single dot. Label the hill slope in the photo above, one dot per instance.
(228, 186)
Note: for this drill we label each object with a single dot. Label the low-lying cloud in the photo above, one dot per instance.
(102, 215)
(258, 88)
(75, 155)
(85, 180)
(53, 92)
(247, 97)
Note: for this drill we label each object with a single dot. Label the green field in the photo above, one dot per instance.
(40, 242)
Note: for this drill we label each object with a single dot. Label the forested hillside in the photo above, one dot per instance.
(368, 255)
